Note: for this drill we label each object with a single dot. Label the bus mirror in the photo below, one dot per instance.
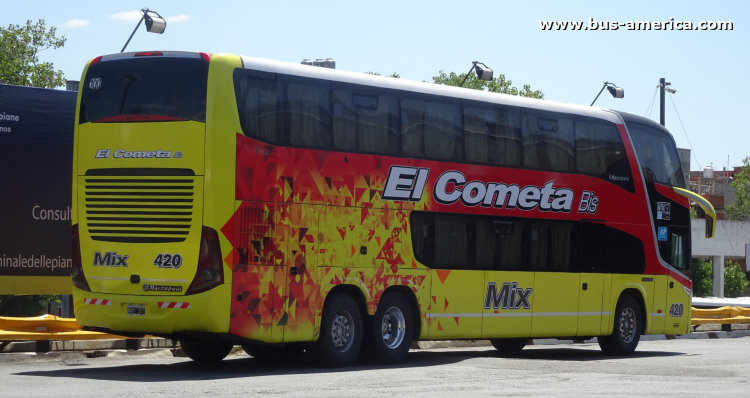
(705, 205)
(616, 92)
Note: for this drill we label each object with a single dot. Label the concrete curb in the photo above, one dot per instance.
(89, 345)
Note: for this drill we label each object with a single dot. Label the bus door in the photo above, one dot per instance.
(553, 258)
(508, 284)
(592, 285)
(443, 243)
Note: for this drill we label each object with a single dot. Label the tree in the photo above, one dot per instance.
(735, 281)
(700, 272)
(19, 55)
(740, 210)
(497, 85)
(25, 305)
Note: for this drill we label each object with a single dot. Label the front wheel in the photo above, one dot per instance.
(393, 328)
(204, 351)
(340, 331)
(627, 329)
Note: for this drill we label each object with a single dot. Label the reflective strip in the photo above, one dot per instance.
(164, 280)
(97, 301)
(107, 278)
(172, 304)
(516, 314)
(657, 314)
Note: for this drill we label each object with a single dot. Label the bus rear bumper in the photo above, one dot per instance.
(206, 312)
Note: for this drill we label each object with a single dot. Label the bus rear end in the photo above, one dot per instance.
(144, 262)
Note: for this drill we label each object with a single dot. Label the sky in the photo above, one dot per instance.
(417, 39)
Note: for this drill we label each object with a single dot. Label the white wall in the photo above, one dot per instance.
(729, 240)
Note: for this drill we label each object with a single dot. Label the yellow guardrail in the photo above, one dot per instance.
(47, 327)
(723, 315)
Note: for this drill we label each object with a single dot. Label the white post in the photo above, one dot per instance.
(718, 287)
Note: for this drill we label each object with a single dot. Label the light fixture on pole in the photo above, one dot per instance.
(154, 24)
(483, 73)
(616, 92)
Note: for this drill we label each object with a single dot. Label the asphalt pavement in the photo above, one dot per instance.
(664, 368)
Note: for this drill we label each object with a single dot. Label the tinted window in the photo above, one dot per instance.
(492, 135)
(308, 111)
(553, 246)
(431, 127)
(441, 240)
(657, 154)
(624, 252)
(153, 86)
(548, 142)
(258, 95)
(499, 243)
(365, 119)
(600, 152)
(592, 247)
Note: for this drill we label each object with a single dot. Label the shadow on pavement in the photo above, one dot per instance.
(241, 366)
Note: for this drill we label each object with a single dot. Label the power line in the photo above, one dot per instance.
(685, 131)
(651, 104)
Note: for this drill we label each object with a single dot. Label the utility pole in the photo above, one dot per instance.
(661, 101)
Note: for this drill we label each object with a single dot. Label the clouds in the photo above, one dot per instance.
(75, 23)
(135, 16)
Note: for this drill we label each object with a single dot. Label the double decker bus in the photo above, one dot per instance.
(225, 200)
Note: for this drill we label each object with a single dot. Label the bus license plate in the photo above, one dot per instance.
(136, 309)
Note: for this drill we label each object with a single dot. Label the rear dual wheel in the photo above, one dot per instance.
(393, 328)
(340, 331)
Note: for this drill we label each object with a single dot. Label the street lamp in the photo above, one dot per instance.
(154, 24)
(484, 73)
(616, 92)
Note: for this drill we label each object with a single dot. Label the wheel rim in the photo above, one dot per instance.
(393, 327)
(342, 331)
(627, 325)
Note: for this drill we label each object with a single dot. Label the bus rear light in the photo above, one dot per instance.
(206, 56)
(96, 60)
(76, 270)
(210, 272)
(148, 54)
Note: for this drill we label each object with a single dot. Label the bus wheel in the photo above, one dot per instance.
(627, 329)
(509, 346)
(340, 331)
(205, 352)
(393, 328)
(274, 353)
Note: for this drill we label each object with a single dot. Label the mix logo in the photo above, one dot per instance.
(110, 259)
(509, 297)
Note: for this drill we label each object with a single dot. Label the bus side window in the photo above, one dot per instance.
(553, 246)
(442, 241)
(548, 142)
(592, 244)
(431, 129)
(624, 252)
(492, 135)
(258, 95)
(308, 112)
(499, 244)
(365, 119)
(600, 152)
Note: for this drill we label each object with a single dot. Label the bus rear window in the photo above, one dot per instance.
(145, 89)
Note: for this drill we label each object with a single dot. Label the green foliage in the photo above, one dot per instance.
(740, 210)
(700, 272)
(735, 281)
(19, 60)
(497, 85)
(693, 213)
(393, 75)
(26, 305)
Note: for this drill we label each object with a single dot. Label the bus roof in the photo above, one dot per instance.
(631, 118)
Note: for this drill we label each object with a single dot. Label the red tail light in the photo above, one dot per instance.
(76, 271)
(210, 271)
(96, 60)
(206, 56)
(148, 54)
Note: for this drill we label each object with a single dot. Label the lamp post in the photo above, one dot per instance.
(154, 24)
(664, 86)
(616, 92)
(484, 73)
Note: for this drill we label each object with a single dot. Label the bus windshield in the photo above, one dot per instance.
(657, 154)
(145, 89)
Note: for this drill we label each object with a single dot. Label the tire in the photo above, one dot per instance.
(205, 352)
(627, 329)
(393, 328)
(509, 346)
(340, 331)
(274, 353)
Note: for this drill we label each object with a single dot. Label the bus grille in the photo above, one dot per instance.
(139, 209)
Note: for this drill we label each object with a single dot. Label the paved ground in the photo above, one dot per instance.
(679, 368)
